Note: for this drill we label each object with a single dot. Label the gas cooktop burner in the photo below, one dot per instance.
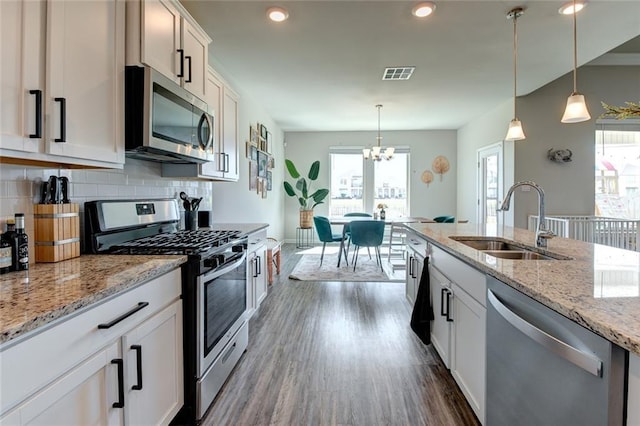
(182, 242)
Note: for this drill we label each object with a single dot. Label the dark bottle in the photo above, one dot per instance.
(6, 253)
(21, 244)
(9, 236)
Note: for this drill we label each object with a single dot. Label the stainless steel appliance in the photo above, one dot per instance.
(164, 122)
(544, 369)
(214, 286)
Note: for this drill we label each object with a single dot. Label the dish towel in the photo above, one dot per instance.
(422, 314)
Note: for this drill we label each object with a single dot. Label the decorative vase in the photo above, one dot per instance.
(383, 214)
(306, 218)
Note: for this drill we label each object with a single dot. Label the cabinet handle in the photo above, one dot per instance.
(38, 133)
(120, 364)
(138, 350)
(188, 80)
(63, 119)
(255, 267)
(411, 266)
(226, 163)
(449, 319)
(181, 72)
(221, 162)
(443, 295)
(259, 263)
(138, 307)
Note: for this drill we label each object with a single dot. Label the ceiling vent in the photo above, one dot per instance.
(398, 73)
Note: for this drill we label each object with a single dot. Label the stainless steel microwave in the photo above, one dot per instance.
(164, 122)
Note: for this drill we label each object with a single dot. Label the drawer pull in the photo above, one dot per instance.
(188, 58)
(138, 350)
(120, 364)
(140, 306)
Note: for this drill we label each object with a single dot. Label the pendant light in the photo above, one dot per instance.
(576, 110)
(515, 132)
(376, 153)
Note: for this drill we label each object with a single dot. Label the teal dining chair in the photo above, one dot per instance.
(445, 219)
(367, 233)
(326, 235)
(347, 230)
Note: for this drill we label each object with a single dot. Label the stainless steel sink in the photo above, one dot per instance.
(517, 255)
(507, 249)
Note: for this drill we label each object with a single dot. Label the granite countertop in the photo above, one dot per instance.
(599, 288)
(49, 291)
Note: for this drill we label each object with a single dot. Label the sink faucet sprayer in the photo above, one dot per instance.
(542, 233)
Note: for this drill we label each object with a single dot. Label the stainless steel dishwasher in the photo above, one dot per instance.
(544, 369)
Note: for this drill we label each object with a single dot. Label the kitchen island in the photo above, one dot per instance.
(595, 286)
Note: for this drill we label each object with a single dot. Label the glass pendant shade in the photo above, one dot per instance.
(366, 152)
(576, 110)
(376, 151)
(515, 132)
(389, 152)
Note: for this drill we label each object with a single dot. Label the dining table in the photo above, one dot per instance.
(345, 220)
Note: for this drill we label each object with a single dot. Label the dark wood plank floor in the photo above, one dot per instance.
(337, 353)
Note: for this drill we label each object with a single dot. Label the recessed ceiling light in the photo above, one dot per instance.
(422, 10)
(277, 14)
(567, 8)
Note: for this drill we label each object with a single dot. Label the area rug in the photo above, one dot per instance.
(309, 269)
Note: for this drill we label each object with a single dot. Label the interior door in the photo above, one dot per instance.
(490, 178)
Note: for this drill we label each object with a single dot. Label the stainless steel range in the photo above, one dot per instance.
(214, 285)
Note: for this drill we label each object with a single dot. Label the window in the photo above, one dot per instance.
(359, 185)
(617, 172)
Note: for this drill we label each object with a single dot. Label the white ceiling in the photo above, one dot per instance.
(321, 69)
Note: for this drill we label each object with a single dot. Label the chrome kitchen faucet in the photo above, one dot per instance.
(542, 233)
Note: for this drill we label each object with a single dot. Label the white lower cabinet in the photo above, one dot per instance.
(83, 396)
(256, 270)
(87, 369)
(458, 330)
(416, 251)
(633, 397)
(468, 348)
(441, 325)
(153, 353)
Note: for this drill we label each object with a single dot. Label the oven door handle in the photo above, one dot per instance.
(226, 268)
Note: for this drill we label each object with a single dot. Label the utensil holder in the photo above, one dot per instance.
(190, 220)
(57, 231)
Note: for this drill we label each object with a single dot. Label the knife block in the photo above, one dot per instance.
(57, 231)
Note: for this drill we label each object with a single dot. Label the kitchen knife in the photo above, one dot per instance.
(64, 190)
(54, 191)
(44, 193)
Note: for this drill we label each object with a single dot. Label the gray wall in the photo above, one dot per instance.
(439, 198)
(569, 187)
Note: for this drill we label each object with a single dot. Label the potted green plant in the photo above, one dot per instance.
(302, 191)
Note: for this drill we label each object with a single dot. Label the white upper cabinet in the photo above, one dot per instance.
(85, 60)
(162, 35)
(22, 44)
(63, 82)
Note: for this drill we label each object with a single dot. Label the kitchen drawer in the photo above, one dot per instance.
(417, 244)
(37, 360)
(257, 239)
(466, 277)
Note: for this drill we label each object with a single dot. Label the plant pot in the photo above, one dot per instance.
(306, 218)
